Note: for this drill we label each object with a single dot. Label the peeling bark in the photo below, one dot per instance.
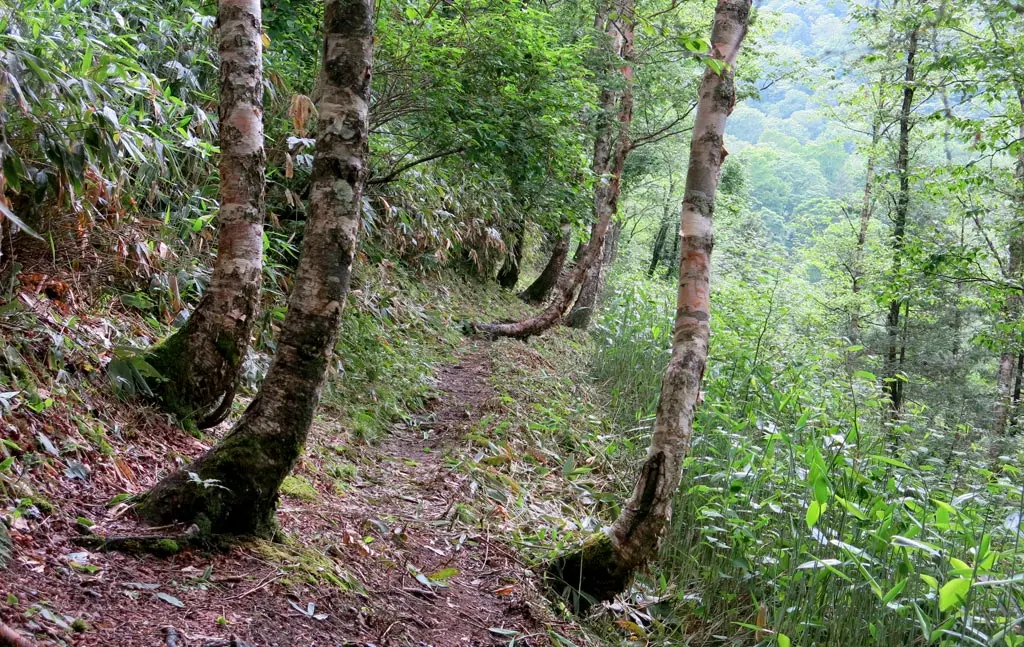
(200, 363)
(606, 564)
(539, 291)
(892, 379)
(235, 485)
(611, 145)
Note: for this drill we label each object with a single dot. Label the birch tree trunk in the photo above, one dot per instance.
(200, 363)
(539, 291)
(893, 380)
(605, 564)
(612, 136)
(235, 485)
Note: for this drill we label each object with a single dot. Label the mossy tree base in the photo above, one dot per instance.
(199, 370)
(594, 572)
(233, 488)
(159, 545)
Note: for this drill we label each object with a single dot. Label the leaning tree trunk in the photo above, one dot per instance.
(593, 285)
(540, 289)
(201, 362)
(612, 136)
(1012, 305)
(605, 564)
(233, 487)
(893, 380)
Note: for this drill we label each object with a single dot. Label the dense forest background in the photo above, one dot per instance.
(504, 200)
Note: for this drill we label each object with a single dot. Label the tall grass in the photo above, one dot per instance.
(802, 518)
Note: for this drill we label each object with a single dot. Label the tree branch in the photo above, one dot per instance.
(390, 177)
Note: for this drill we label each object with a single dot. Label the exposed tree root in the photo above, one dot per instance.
(160, 545)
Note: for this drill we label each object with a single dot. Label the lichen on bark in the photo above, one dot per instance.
(200, 363)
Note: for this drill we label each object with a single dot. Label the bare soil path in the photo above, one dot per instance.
(378, 550)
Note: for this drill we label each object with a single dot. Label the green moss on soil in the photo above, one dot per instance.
(299, 488)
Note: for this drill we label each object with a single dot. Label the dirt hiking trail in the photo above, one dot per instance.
(377, 551)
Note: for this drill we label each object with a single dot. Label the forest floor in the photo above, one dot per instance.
(406, 541)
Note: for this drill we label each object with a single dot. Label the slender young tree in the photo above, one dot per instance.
(658, 250)
(866, 208)
(895, 348)
(611, 145)
(605, 564)
(201, 362)
(233, 488)
(539, 291)
(1007, 378)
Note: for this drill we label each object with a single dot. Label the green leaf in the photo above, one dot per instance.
(953, 593)
(814, 512)
(783, 640)
(7, 213)
(821, 489)
(444, 574)
(895, 591)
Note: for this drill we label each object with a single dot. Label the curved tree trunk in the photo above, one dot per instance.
(233, 487)
(893, 380)
(605, 565)
(200, 363)
(540, 289)
(612, 138)
(508, 275)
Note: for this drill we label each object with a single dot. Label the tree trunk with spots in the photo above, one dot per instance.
(605, 564)
(893, 380)
(612, 136)
(235, 485)
(540, 289)
(201, 362)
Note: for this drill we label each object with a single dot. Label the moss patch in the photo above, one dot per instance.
(299, 488)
